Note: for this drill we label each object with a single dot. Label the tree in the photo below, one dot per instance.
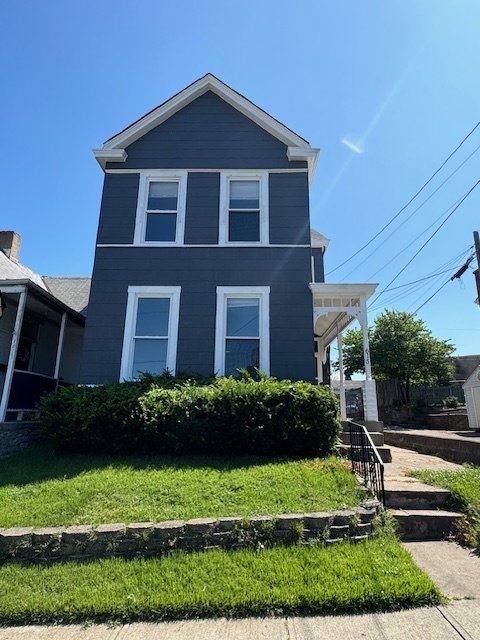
(401, 348)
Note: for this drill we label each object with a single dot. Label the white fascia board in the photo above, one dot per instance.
(198, 88)
(341, 289)
(306, 154)
(109, 155)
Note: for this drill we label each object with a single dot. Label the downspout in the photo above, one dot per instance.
(13, 353)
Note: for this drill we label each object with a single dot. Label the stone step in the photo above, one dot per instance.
(376, 437)
(426, 524)
(423, 497)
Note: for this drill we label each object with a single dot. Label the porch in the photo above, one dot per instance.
(40, 346)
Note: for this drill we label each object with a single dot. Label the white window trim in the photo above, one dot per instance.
(225, 177)
(223, 293)
(146, 177)
(134, 293)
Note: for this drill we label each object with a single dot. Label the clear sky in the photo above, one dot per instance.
(386, 88)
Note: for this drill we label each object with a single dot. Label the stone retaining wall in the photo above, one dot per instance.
(146, 539)
(15, 436)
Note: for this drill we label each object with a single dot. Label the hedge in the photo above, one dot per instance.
(192, 415)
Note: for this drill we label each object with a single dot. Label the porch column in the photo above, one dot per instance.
(343, 404)
(13, 353)
(370, 391)
(61, 339)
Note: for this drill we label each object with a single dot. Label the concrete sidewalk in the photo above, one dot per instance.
(457, 620)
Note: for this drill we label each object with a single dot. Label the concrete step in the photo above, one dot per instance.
(370, 425)
(383, 451)
(411, 498)
(426, 524)
(376, 437)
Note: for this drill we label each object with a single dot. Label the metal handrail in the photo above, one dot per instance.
(366, 461)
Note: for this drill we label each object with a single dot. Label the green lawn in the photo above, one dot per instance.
(42, 488)
(465, 488)
(374, 575)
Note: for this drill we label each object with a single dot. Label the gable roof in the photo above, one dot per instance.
(298, 149)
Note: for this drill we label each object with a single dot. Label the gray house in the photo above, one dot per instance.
(205, 260)
(41, 331)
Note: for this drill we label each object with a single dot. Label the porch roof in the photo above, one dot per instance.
(337, 305)
(15, 286)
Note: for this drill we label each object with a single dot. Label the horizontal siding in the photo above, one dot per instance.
(202, 210)
(289, 208)
(208, 133)
(118, 209)
(199, 272)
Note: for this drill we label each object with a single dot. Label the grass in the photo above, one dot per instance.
(41, 488)
(374, 575)
(464, 486)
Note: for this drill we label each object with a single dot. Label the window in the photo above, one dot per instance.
(243, 208)
(151, 328)
(242, 330)
(161, 208)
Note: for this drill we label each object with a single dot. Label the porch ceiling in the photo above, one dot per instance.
(337, 305)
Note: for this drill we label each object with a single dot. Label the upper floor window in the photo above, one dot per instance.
(161, 208)
(151, 328)
(243, 208)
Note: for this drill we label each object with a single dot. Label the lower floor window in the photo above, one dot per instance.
(151, 328)
(242, 330)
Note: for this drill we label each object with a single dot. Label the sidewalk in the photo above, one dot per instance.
(459, 620)
(455, 570)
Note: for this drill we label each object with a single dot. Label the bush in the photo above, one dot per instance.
(451, 402)
(191, 415)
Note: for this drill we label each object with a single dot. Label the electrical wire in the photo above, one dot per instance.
(409, 202)
(430, 237)
(410, 216)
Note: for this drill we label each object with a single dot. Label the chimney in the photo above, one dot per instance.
(10, 244)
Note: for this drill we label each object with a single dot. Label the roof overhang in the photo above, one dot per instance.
(298, 149)
(16, 286)
(336, 306)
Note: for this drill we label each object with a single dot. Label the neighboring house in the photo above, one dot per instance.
(465, 366)
(41, 330)
(205, 260)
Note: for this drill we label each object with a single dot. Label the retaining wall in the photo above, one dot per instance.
(15, 436)
(146, 539)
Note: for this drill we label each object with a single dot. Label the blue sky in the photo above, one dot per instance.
(386, 88)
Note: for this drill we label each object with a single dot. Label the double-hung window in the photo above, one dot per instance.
(151, 330)
(243, 208)
(242, 330)
(161, 208)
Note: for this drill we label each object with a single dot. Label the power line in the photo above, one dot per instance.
(428, 299)
(410, 216)
(406, 248)
(409, 202)
(432, 235)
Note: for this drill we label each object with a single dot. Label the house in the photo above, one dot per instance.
(41, 331)
(205, 260)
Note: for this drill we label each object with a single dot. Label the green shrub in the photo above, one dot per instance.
(451, 402)
(183, 416)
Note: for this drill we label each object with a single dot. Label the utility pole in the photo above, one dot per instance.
(476, 273)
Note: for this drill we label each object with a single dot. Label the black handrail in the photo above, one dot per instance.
(366, 461)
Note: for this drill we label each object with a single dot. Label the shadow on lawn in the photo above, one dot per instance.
(41, 463)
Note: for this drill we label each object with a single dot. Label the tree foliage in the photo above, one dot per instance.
(401, 348)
